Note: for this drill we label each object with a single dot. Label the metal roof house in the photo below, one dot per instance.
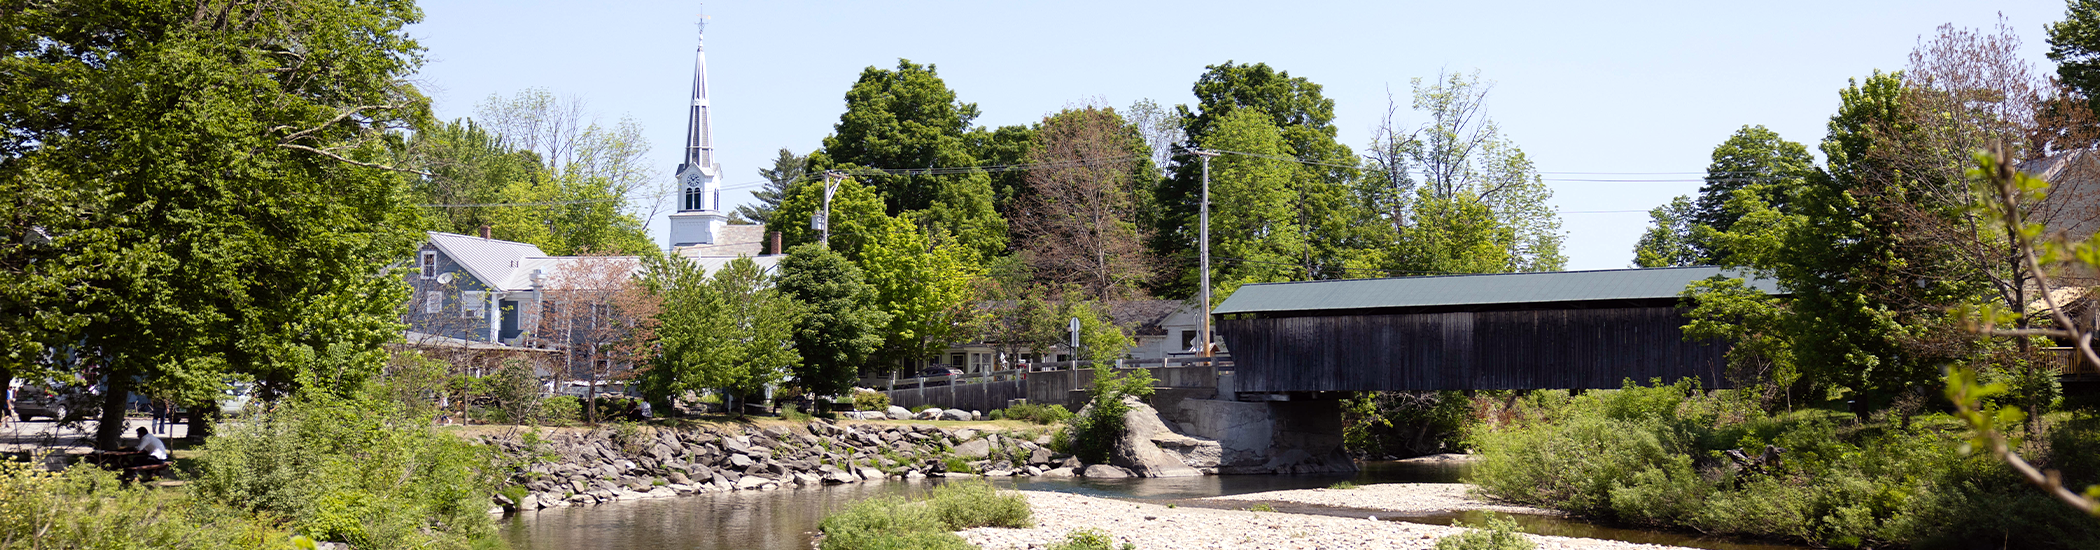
(1576, 329)
(481, 289)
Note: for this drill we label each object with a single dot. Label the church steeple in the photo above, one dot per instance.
(699, 133)
(699, 217)
(698, 176)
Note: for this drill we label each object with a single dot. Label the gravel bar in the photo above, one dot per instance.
(1156, 527)
(1404, 498)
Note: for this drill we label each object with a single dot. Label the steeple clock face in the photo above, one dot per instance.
(692, 178)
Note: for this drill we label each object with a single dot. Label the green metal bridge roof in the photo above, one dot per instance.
(1475, 290)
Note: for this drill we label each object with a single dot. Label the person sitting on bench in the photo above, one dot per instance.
(151, 452)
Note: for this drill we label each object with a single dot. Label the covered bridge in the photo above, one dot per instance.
(1564, 330)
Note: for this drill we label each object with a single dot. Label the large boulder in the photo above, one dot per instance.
(955, 414)
(975, 448)
(1104, 471)
(1136, 450)
(899, 413)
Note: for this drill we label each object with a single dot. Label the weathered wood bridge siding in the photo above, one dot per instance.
(1486, 350)
(1567, 330)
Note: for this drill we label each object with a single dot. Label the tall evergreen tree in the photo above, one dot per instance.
(787, 168)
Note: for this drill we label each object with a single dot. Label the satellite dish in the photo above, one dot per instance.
(444, 278)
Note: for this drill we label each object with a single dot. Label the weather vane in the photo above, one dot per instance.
(702, 23)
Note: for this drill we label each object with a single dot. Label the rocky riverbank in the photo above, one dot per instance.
(1156, 527)
(585, 467)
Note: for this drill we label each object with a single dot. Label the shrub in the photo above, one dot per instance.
(356, 470)
(1658, 455)
(1089, 539)
(901, 524)
(88, 509)
(1342, 485)
(867, 400)
(887, 524)
(1093, 433)
(1044, 413)
(1498, 533)
(970, 504)
(1261, 507)
(561, 410)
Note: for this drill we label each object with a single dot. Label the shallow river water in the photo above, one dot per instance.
(787, 519)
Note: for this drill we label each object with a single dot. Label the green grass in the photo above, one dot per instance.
(1344, 485)
(1261, 507)
(1498, 533)
(897, 523)
(1089, 539)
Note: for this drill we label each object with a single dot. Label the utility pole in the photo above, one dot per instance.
(1203, 249)
(822, 220)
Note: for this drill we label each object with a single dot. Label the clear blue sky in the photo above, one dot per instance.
(1620, 88)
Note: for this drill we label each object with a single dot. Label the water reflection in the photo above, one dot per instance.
(784, 519)
(787, 519)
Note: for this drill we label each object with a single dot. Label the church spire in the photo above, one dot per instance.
(699, 219)
(699, 135)
(699, 176)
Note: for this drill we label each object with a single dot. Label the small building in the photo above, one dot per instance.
(1160, 329)
(486, 295)
(1567, 330)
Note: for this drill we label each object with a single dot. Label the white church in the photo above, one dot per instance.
(700, 228)
(481, 293)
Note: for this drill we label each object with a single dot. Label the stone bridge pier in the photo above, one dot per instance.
(1296, 433)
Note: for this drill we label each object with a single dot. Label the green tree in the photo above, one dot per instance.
(465, 165)
(1753, 158)
(907, 118)
(1456, 234)
(924, 284)
(1671, 240)
(1328, 222)
(1460, 152)
(581, 197)
(2074, 44)
(1100, 338)
(567, 214)
(1253, 237)
(733, 331)
(253, 205)
(856, 216)
(787, 168)
(843, 326)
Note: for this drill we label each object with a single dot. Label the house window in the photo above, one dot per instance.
(430, 264)
(955, 359)
(473, 304)
(433, 301)
(1188, 340)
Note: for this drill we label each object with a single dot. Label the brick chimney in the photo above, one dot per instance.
(484, 232)
(773, 237)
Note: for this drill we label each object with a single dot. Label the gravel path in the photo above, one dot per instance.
(1155, 527)
(1409, 498)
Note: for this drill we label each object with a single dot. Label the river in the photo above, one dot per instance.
(787, 519)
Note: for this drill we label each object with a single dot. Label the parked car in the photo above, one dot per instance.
(236, 400)
(939, 375)
(39, 400)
